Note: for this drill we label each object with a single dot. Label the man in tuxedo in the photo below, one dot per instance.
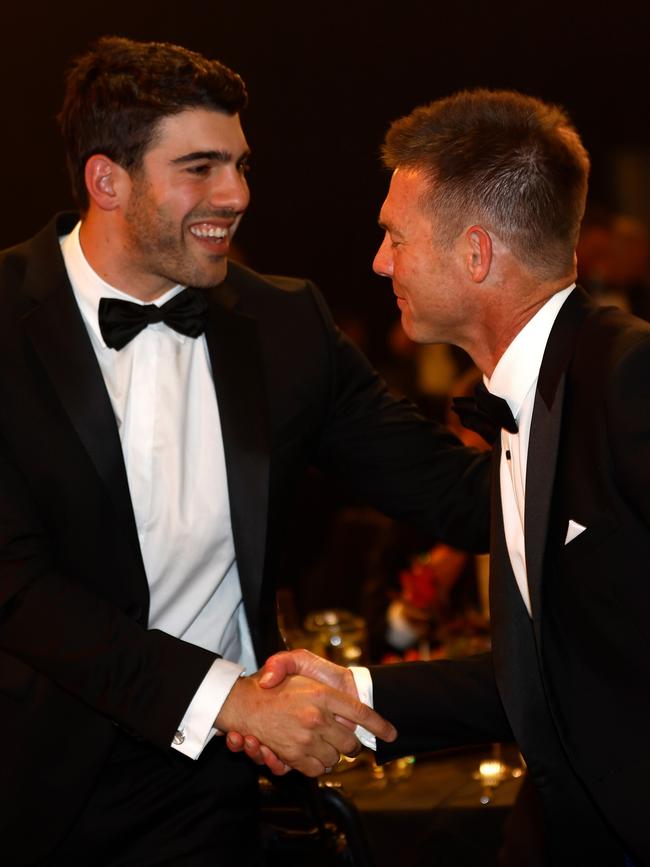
(481, 223)
(158, 409)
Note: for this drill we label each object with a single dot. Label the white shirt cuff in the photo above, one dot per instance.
(363, 682)
(197, 726)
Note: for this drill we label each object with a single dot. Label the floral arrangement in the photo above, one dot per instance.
(421, 625)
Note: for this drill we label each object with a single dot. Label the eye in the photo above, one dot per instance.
(243, 167)
(201, 169)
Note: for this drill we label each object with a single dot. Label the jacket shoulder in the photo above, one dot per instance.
(242, 278)
(274, 295)
(32, 265)
(609, 335)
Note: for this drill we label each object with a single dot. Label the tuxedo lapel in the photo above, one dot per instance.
(544, 442)
(540, 477)
(513, 649)
(58, 335)
(239, 380)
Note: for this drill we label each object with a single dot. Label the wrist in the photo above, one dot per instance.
(230, 717)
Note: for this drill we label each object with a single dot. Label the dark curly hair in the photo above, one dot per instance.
(117, 93)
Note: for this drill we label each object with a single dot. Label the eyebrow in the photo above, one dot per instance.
(214, 156)
(386, 227)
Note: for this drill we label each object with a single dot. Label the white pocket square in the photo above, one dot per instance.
(573, 531)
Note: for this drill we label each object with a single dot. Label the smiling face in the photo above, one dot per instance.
(185, 202)
(427, 278)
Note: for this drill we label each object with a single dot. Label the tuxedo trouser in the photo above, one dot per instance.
(161, 809)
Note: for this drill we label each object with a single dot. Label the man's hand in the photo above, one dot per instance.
(298, 720)
(275, 670)
(303, 662)
(259, 753)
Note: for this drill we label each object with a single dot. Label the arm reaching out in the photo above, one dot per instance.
(298, 719)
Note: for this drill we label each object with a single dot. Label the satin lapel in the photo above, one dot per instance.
(544, 442)
(238, 373)
(540, 476)
(57, 332)
(499, 559)
(512, 644)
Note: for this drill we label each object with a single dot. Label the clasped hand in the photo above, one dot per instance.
(299, 711)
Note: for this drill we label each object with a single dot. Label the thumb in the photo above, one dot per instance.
(276, 668)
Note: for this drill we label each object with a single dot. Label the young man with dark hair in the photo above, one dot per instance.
(481, 221)
(157, 409)
(117, 94)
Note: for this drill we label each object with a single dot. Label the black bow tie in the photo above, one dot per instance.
(484, 413)
(120, 321)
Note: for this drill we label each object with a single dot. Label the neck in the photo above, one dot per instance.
(105, 248)
(503, 322)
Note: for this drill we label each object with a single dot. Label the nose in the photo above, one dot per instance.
(230, 190)
(383, 261)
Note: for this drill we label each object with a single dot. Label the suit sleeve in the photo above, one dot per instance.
(437, 705)
(406, 466)
(143, 680)
(628, 423)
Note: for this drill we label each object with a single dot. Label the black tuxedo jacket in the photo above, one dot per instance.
(76, 658)
(572, 685)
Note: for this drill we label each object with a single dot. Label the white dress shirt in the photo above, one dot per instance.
(515, 380)
(162, 392)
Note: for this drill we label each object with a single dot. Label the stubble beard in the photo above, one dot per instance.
(158, 245)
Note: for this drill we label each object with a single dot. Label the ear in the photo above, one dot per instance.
(478, 253)
(104, 182)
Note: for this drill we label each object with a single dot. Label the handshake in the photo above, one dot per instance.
(299, 711)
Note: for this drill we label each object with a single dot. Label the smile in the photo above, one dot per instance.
(206, 230)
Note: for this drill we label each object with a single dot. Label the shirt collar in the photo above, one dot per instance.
(518, 368)
(89, 288)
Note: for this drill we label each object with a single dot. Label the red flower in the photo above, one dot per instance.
(420, 586)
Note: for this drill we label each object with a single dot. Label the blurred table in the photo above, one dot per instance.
(435, 816)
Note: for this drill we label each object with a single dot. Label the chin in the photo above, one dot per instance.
(419, 332)
(409, 328)
(206, 278)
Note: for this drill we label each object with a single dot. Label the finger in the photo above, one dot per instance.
(328, 754)
(276, 668)
(311, 767)
(324, 671)
(324, 748)
(252, 749)
(362, 715)
(235, 742)
(376, 724)
(336, 736)
(355, 752)
(345, 722)
(341, 740)
(306, 663)
(275, 765)
(307, 765)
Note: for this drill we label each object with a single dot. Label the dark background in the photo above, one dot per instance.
(325, 80)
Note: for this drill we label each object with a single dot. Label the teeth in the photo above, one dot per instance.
(209, 232)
